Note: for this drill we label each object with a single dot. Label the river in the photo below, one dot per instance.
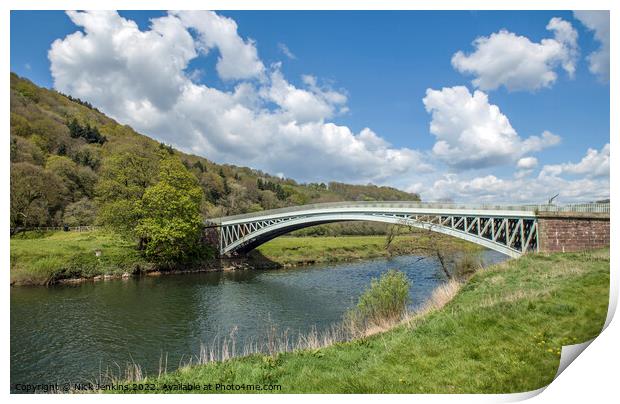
(73, 333)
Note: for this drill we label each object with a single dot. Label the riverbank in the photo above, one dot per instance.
(57, 257)
(501, 333)
(295, 251)
(49, 257)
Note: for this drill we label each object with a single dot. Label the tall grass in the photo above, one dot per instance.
(383, 302)
(381, 307)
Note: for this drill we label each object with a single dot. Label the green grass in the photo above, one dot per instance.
(42, 258)
(501, 333)
(290, 251)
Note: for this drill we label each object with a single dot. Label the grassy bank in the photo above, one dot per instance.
(502, 332)
(44, 258)
(291, 251)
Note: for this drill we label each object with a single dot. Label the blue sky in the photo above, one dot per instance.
(382, 63)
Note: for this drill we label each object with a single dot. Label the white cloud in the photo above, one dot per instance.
(490, 189)
(113, 58)
(594, 164)
(513, 61)
(588, 181)
(286, 51)
(527, 163)
(238, 58)
(598, 21)
(302, 105)
(140, 78)
(472, 133)
(537, 143)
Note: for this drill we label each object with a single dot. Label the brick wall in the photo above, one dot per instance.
(566, 234)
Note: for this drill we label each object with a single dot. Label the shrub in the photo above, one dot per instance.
(384, 301)
(466, 265)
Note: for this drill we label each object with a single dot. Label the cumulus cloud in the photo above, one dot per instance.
(238, 58)
(598, 21)
(517, 63)
(594, 164)
(264, 121)
(588, 181)
(490, 189)
(472, 133)
(113, 57)
(527, 163)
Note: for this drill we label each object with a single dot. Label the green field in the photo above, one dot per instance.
(291, 251)
(502, 332)
(43, 258)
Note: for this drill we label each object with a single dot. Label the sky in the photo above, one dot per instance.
(484, 106)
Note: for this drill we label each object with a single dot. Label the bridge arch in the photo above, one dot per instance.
(511, 231)
(263, 235)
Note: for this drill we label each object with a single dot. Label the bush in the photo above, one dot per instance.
(466, 265)
(384, 301)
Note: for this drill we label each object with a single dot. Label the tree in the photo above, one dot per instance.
(79, 181)
(170, 223)
(89, 133)
(123, 180)
(213, 185)
(36, 195)
(80, 213)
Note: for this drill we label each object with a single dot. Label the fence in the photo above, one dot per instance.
(15, 230)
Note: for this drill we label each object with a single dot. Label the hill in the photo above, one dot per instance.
(60, 146)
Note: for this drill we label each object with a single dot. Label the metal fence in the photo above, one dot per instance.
(15, 230)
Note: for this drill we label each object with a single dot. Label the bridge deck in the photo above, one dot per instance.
(529, 210)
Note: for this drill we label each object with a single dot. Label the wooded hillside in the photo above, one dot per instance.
(67, 157)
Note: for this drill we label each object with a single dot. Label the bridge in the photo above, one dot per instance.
(510, 229)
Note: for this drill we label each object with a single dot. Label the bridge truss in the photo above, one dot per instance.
(510, 231)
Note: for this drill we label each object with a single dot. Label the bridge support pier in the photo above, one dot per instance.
(571, 231)
(211, 237)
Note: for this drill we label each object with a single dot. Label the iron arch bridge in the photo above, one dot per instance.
(511, 230)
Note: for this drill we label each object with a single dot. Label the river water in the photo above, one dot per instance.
(73, 333)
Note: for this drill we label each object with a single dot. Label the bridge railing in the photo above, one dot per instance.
(577, 208)
(582, 208)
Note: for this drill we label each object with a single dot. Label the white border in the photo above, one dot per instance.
(593, 375)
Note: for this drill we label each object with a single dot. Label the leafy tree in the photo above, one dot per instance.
(79, 181)
(166, 147)
(36, 195)
(23, 150)
(87, 155)
(80, 213)
(198, 165)
(89, 133)
(19, 125)
(170, 224)
(124, 178)
(213, 185)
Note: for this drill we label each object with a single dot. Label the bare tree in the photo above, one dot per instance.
(391, 233)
